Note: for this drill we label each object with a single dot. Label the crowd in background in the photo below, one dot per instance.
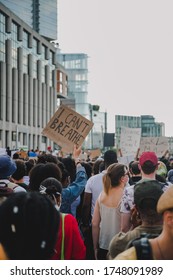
(65, 207)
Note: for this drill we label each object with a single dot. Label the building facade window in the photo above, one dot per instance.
(52, 68)
(25, 51)
(35, 58)
(14, 135)
(14, 37)
(2, 37)
(44, 63)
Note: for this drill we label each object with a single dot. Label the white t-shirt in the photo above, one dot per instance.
(94, 186)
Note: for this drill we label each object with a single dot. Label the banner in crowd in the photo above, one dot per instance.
(155, 144)
(129, 140)
(67, 128)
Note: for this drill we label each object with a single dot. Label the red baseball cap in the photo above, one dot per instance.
(148, 156)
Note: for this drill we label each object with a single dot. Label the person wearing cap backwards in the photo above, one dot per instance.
(7, 168)
(146, 196)
(148, 164)
(161, 246)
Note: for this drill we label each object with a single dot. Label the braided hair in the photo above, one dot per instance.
(51, 187)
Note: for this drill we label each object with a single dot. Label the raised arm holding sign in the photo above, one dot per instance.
(67, 128)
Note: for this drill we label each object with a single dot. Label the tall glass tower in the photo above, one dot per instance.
(76, 66)
(40, 15)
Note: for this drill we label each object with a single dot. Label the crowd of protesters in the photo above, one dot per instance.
(70, 208)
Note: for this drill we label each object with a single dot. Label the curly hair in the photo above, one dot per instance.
(41, 172)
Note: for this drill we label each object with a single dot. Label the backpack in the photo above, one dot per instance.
(4, 189)
(12, 185)
(142, 246)
(7, 188)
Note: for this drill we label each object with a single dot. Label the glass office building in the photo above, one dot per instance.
(27, 83)
(76, 66)
(40, 15)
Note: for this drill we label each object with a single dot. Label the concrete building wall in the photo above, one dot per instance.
(27, 83)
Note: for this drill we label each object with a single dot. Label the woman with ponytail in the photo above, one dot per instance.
(106, 217)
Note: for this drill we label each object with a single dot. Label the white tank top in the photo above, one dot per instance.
(109, 224)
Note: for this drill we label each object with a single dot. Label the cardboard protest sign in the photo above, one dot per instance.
(22, 154)
(129, 140)
(155, 144)
(67, 128)
(95, 153)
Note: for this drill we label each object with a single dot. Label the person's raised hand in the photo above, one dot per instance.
(77, 151)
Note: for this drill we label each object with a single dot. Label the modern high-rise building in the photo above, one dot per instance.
(40, 15)
(150, 128)
(76, 66)
(28, 86)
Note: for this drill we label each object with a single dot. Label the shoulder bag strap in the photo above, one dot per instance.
(63, 236)
(143, 249)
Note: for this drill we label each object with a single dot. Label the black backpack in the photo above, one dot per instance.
(142, 246)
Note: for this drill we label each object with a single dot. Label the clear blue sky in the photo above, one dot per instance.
(130, 49)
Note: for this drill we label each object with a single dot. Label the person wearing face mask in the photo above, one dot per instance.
(69, 245)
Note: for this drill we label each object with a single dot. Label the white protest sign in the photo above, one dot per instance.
(129, 140)
(67, 128)
(125, 160)
(155, 144)
(83, 156)
(3, 151)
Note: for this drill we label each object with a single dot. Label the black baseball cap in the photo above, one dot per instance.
(149, 189)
